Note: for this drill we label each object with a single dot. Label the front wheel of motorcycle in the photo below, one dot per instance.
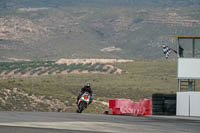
(81, 107)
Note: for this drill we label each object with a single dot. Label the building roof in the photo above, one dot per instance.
(186, 37)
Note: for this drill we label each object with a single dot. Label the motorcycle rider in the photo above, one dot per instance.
(86, 88)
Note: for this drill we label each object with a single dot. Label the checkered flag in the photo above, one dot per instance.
(166, 51)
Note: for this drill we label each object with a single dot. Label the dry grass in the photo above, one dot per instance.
(139, 80)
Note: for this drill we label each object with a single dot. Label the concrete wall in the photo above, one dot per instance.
(188, 104)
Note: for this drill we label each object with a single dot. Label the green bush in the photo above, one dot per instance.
(72, 67)
(62, 67)
(41, 67)
(42, 72)
(113, 70)
(35, 71)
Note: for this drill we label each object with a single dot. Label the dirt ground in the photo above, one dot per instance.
(92, 61)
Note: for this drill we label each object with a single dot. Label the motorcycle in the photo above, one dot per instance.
(83, 102)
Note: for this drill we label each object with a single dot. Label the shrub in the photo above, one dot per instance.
(113, 70)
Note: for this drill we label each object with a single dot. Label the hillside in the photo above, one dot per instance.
(57, 92)
(97, 3)
(53, 29)
(62, 66)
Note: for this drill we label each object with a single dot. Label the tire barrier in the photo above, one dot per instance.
(129, 107)
(163, 104)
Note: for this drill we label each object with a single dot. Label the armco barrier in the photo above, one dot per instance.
(127, 106)
(121, 106)
(146, 106)
(136, 108)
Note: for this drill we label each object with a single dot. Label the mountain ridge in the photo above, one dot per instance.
(97, 3)
(79, 30)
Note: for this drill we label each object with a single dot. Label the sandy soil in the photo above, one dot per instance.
(92, 61)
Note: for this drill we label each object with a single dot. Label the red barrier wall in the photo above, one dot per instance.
(127, 106)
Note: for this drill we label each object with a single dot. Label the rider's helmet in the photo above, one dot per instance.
(87, 85)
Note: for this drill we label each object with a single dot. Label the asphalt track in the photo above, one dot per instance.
(42, 122)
